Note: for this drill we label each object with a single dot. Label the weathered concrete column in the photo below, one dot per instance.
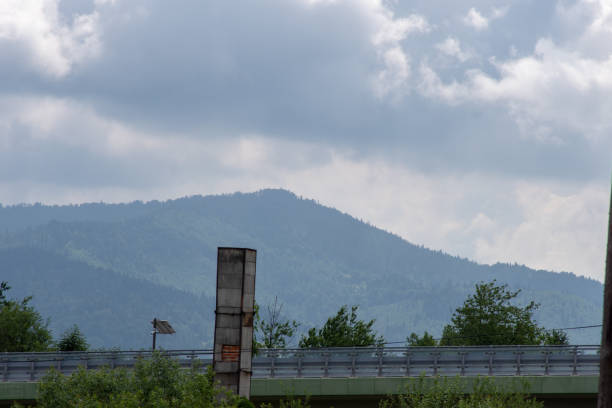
(234, 318)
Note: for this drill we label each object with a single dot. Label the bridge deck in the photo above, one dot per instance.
(351, 374)
(339, 362)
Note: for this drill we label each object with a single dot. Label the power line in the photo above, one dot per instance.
(468, 337)
(503, 334)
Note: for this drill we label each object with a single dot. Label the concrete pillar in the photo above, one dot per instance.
(234, 318)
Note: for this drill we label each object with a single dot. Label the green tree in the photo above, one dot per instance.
(426, 340)
(22, 327)
(555, 337)
(274, 331)
(488, 317)
(73, 340)
(155, 382)
(343, 330)
(3, 288)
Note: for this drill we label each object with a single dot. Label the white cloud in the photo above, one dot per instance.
(552, 89)
(52, 47)
(390, 32)
(393, 30)
(394, 77)
(499, 12)
(559, 230)
(479, 21)
(476, 20)
(452, 47)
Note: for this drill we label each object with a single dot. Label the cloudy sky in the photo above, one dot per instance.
(482, 128)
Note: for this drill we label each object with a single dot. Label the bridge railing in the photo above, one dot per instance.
(338, 362)
(16, 367)
(428, 361)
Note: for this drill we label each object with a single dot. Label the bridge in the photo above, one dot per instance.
(357, 377)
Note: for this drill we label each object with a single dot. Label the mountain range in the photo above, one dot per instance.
(111, 268)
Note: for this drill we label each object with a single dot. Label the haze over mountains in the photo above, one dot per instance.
(111, 268)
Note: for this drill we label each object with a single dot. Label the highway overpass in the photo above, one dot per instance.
(562, 376)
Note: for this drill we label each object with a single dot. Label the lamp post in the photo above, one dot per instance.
(161, 327)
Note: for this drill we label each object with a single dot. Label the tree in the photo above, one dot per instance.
(155, 382)
(3, 288)
(73, 340)
(426, 341)
(274, 331)
(555, 337)
(22, 327)
(343, 330)
(489, 318)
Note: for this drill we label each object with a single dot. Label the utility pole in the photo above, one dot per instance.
(604, 399)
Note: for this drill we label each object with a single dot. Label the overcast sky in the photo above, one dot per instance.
(482, 128)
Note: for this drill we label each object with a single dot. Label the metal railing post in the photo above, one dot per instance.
(273, 365)
(300, 357)
(575, 364)
(518, 362)
(435, 355)
(490, 354)
(546, 362)
(408, 354)
(462, 372)
(326, 365)
(32, 369)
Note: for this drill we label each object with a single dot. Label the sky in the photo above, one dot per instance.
(481, 128)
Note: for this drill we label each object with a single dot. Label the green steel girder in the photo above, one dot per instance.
(269, 387)
(338, 387)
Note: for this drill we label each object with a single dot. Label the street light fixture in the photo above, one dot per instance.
(161, 327)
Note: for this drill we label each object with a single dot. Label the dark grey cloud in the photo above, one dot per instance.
(301, 72)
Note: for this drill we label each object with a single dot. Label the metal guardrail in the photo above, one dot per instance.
(428, 361)
(339, 362)
(17, 367)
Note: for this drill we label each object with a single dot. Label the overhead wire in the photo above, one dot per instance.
(500, 334)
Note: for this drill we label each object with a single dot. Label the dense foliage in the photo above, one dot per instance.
(72, 340)
(94, 262)
(3, 288)
(154, 383)
(426, 340)
(451, 393)
(554, 337)
(22, 328)
(343, 330)
(489, 317)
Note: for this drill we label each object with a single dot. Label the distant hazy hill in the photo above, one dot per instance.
(113, 310)
(312, 257)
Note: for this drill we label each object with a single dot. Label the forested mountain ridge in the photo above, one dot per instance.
(111, 309)
(312, 257)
